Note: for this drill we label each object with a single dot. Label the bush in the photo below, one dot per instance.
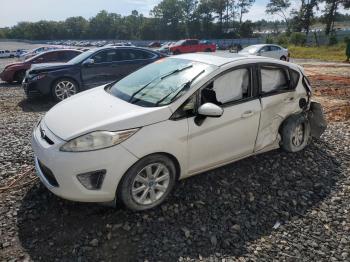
(297, 39)
(332, 40)
(269, 40)
(282, 40)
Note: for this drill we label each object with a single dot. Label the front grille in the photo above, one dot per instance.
(48, 174)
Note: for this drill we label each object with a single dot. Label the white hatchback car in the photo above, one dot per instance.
(132, 140)
(267, 50)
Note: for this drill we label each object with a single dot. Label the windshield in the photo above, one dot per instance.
(250, 49)
(161, 82)
(80, 58)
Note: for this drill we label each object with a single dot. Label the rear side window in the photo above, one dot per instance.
(274, 79)
(70, 55)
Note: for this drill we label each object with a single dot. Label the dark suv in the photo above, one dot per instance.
(90, 69)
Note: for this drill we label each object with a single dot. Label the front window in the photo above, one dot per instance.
(161, 82)
(80, 58)
(181, 42)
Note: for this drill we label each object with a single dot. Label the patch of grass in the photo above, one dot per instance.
(324, 53)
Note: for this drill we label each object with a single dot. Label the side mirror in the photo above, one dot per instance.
(88, 62)
(210, 110)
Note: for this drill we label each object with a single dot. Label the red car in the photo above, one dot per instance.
(16, 72)
(191, 46)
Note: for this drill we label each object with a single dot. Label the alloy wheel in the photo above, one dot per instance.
(150, 184)
(65, 89)
(298, 135)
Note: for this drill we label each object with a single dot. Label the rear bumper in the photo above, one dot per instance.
(317, 120)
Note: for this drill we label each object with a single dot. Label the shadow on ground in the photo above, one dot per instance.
(220, 211)
(39, 104)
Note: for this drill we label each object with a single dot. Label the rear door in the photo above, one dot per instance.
(193, 46)
(278, 100)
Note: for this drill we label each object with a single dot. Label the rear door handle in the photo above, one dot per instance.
(289, 99)
(247, 114)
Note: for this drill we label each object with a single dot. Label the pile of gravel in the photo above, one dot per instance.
(272, 207)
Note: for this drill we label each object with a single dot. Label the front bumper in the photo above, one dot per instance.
(64, 166)
(6, 76)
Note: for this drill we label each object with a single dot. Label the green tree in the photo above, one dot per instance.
(280, 8)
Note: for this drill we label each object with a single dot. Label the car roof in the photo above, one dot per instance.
(218, 59)
(223, 58)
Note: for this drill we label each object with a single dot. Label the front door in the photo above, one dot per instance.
(101, 71)
(231, 136)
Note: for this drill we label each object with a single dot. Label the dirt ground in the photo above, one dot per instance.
(276, 206)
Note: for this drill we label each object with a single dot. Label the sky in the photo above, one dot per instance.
(35, 10)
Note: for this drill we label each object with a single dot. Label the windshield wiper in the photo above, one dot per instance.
(176, 71)
(142, 88)
(184, 87)
(161, 78)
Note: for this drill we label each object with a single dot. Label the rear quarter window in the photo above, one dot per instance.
(294, 78)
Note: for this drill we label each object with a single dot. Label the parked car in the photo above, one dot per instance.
(165, 48)
(90, 69)
(6, 54)
(34, 52)
(19, 52)
(154, 44)
(131, 141)
(16, 71)
(191, 46)
(273, 51)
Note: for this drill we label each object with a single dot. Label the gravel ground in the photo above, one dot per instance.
(272, 207)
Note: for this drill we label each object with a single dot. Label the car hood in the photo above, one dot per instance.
(97, 109)
(45, 67)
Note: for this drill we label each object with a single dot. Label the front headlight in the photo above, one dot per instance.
(38, 77)
(97, 140)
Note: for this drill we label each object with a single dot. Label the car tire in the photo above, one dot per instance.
(283, 58)
(177, 52)
(19, 76)
(139, 190)
(295, 133)
(208, 50)
(64, 88)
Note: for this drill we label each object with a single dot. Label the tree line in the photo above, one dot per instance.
(175, 19)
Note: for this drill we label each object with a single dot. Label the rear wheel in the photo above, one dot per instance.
(147, 183)
(283, 58)
(208, 50)
(295, 133)
(64, 88)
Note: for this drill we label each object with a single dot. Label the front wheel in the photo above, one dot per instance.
(147, 183)
(295, 133)
(64, 88)
(283, 58)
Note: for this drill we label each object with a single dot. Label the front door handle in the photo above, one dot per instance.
(247, 114)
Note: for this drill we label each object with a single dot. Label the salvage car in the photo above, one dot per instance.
(133, 140)
(267, 50)
(90, 69)
(15, 72)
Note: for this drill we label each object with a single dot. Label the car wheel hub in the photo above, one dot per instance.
(150, 184)
(298, 135)
(65, 89)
